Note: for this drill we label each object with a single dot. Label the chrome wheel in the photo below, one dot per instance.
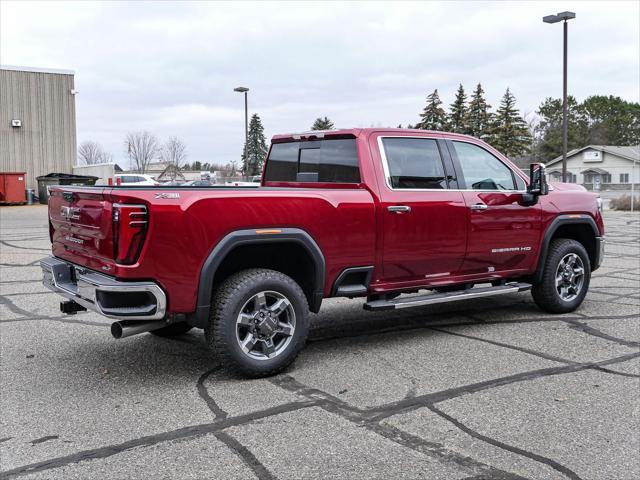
(569, 277)
(265, 325)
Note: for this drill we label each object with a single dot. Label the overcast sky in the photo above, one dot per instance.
(170, 68)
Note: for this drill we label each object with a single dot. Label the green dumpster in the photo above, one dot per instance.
(51, 179)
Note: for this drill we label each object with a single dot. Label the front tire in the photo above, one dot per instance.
(259, 322)
(565, 277)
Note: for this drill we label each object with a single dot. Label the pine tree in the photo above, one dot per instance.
(458, 112)
(322, 124)
(509, 132)
(433, 116)
(256, 148)
(548, 143)
(478, 119)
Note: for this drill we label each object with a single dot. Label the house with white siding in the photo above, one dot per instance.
(600, 167)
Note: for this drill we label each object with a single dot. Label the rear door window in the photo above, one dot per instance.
(414, 163)
(330, 160)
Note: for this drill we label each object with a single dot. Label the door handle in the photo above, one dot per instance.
(479, 207)
(399, 208)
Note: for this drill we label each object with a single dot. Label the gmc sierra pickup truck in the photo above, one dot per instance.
(400, 217)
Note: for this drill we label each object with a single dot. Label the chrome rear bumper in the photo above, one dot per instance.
(103, 294)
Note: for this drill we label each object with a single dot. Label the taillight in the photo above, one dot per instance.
(130, 223)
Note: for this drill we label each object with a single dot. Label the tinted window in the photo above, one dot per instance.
(481, 170)
(282, 164)
(339, 162)
(414, 163)
(309, 164)
(334, 161)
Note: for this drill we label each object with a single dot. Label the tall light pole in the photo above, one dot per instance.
(246, 121)
(563, 17)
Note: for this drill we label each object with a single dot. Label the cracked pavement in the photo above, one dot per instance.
(487, 388)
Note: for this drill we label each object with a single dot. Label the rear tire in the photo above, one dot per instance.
(172, 330)
(259, 322)
(565, 277)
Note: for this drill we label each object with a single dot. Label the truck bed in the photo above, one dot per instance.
(185, 223)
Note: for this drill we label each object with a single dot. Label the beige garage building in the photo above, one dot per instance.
(600, 167)
(37, 121)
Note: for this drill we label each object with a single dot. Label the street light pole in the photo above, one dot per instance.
(564, 17)
(246, 121)
(565, 127)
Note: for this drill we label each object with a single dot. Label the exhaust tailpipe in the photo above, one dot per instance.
(126, 328)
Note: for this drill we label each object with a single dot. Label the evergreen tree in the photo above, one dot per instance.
(322, 124)
(548, 143)
(256, 148)
(433, 116)
(458, 112)
(509, 132)
(478, 119)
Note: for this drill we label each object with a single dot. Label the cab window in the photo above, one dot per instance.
(481, 170)
(414, 163)
(330, 160)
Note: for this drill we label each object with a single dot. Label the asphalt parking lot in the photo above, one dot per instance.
(483, 389)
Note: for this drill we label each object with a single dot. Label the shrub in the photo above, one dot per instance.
(624, 203)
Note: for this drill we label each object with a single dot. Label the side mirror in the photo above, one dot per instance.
(538, 179)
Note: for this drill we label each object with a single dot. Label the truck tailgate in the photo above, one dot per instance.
(81, 226)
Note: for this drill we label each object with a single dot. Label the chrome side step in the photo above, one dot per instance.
(433, 298)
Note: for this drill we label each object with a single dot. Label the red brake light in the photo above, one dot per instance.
(130, 223)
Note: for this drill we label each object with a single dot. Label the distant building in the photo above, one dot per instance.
(154, 169)
(104, 171)
(599, 167)
(37, 121)
(171, 173)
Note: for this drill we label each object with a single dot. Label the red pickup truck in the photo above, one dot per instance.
(400, 217)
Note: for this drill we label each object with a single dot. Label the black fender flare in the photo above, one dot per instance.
(560, 220)
(251, 237)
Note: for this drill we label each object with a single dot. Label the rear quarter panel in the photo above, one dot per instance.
(182, 232)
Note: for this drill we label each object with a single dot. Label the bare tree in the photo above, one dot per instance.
(141, 148)
(91, 153)
(174, 151)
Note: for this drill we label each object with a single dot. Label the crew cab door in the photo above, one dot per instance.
(504, 234)
(423, 215)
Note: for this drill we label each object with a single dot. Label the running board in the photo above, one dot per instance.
(433, 298)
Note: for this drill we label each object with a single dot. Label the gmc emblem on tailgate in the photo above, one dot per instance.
(70, 213)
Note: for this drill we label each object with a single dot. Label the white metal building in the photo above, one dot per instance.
(600, 167)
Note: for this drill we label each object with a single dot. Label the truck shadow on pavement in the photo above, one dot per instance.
(344, 322)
